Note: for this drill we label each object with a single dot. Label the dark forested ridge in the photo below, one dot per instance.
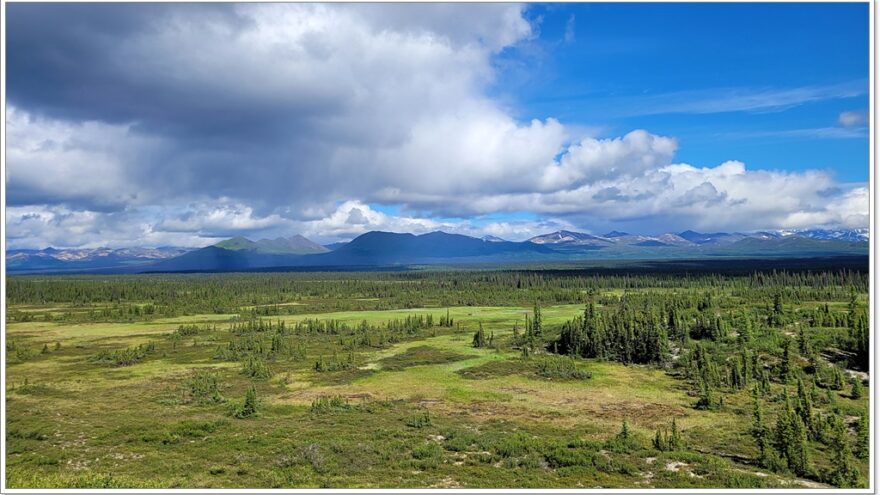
(176, 294)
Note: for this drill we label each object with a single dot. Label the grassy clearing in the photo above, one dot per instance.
(439, 412)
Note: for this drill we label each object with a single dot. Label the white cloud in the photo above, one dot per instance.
(852, 119)
(257, 121)
(52, 161)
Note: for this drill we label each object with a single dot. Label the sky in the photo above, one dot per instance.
(183, 124)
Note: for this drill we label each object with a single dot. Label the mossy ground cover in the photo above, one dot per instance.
(427, 410)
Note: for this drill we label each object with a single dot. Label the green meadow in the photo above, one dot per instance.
(397, 380)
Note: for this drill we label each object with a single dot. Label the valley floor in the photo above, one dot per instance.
(429, 410)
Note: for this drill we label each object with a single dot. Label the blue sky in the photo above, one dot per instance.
(182, 124)
(600, 63)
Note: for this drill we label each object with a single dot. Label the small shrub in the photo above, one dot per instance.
(335, 364)
(624, 441)
(428, 451)
(26, 435)
(856, 391)
(124, 357)
(255, 367)
(459, 440)
(330, 404)
(560, 367)
(515, 445)
(249, 407)
(188, 330)
(204, 388)
(420, 420)
(563, 457)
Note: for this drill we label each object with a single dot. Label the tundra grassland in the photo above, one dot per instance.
(505, 378)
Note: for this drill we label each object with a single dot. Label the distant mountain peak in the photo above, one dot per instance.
(378, 248)
(296, 244)
(236, 243)
(567, 237)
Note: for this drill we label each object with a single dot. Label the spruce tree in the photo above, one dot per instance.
(856, 390)
(786, 367)
(844, 472)
(660, 442)
(803, 342)
(707, 399)
(624, 431)
(837, 381)
(537, 329)
(675, 441)
(759, 432)
(249, 407)
(863, 437)
(787, 438)
(480, 337)
(804, 406)
(799, 461)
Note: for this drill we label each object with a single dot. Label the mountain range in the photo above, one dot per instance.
(86, 259)
(378, 249)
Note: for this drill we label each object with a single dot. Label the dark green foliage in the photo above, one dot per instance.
(325, 404)
(536, 329)
(844, 473)
(124, 357)
(804, 406)
(255, 367)
(859, 341)
(204, 387)
(560, 367)
(863, 437)
(668, 440)
(790, 440)
(624, 441)
(335, 363)
(193, 330)
(420, 420)
(429, 451)
(836, 381)
(855, 389)
(481, 339)
(446, 321)
(786, 364)
(101, 298)
(777, 315)
(760, 433)
(626, 335)
(708, 398)
(249, 407)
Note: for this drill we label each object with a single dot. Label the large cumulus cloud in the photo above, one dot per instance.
(182, 123)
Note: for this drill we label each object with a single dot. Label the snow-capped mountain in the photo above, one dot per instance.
(690, 238)
(51, 258)
(569, 238)
(847, 235)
